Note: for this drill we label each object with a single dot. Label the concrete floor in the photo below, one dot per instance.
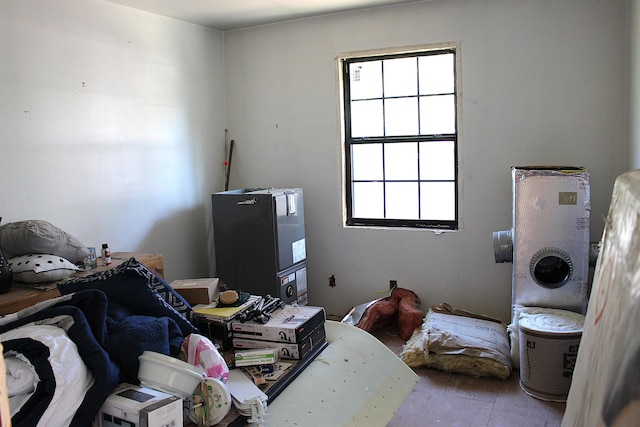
(444, 399)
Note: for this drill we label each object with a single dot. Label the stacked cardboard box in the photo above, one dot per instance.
(215, 322)
(295, 331)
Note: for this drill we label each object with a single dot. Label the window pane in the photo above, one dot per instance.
(437, 160)
(366, 118)
(437, 115)
(437, 200)
(402, 200)
(366, 80)
(401, 116)
(401, 161)
(368, 200)
(400, 77)
(436, 74)
(367, 162)
(400, 125)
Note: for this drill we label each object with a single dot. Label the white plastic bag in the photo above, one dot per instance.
(200, 351)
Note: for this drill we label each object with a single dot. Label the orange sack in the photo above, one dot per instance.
(403, 306)
(409, 316)
(379, 315)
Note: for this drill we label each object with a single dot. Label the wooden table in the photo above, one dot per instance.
(23, 295)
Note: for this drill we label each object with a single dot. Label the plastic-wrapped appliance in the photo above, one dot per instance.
(549, 242)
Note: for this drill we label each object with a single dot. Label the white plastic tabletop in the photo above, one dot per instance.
(355, 381)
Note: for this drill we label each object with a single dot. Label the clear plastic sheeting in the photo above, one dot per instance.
(605, 390)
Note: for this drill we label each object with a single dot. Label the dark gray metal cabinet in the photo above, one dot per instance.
(259, 240)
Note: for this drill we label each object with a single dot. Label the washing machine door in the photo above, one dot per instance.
(551, 268)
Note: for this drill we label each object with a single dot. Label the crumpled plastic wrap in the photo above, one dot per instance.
(200, 351)
(355, 314)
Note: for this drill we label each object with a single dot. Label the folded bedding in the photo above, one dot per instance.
(21, 379)
(75, 373)
(58, 386)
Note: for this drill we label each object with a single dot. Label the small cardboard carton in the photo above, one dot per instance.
(139, 406)
(198, 291)
(298, 351)
(260, 356)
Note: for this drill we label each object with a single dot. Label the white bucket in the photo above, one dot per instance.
(549, 344)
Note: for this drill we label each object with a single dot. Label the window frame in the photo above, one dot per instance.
(347, 141)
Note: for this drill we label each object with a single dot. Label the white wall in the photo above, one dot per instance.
(543, 83)
(112, 126)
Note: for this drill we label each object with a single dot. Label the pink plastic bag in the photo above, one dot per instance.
(200, 351)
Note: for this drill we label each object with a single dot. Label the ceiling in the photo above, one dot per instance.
(226, 15)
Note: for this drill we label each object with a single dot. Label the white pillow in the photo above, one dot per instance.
(38, 268)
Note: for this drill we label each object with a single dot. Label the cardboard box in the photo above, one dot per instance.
(198, 291)
(140, 407)
(290, 324)
(259, 356)
(296, 351)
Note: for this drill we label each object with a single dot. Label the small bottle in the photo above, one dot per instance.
(106, 254)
